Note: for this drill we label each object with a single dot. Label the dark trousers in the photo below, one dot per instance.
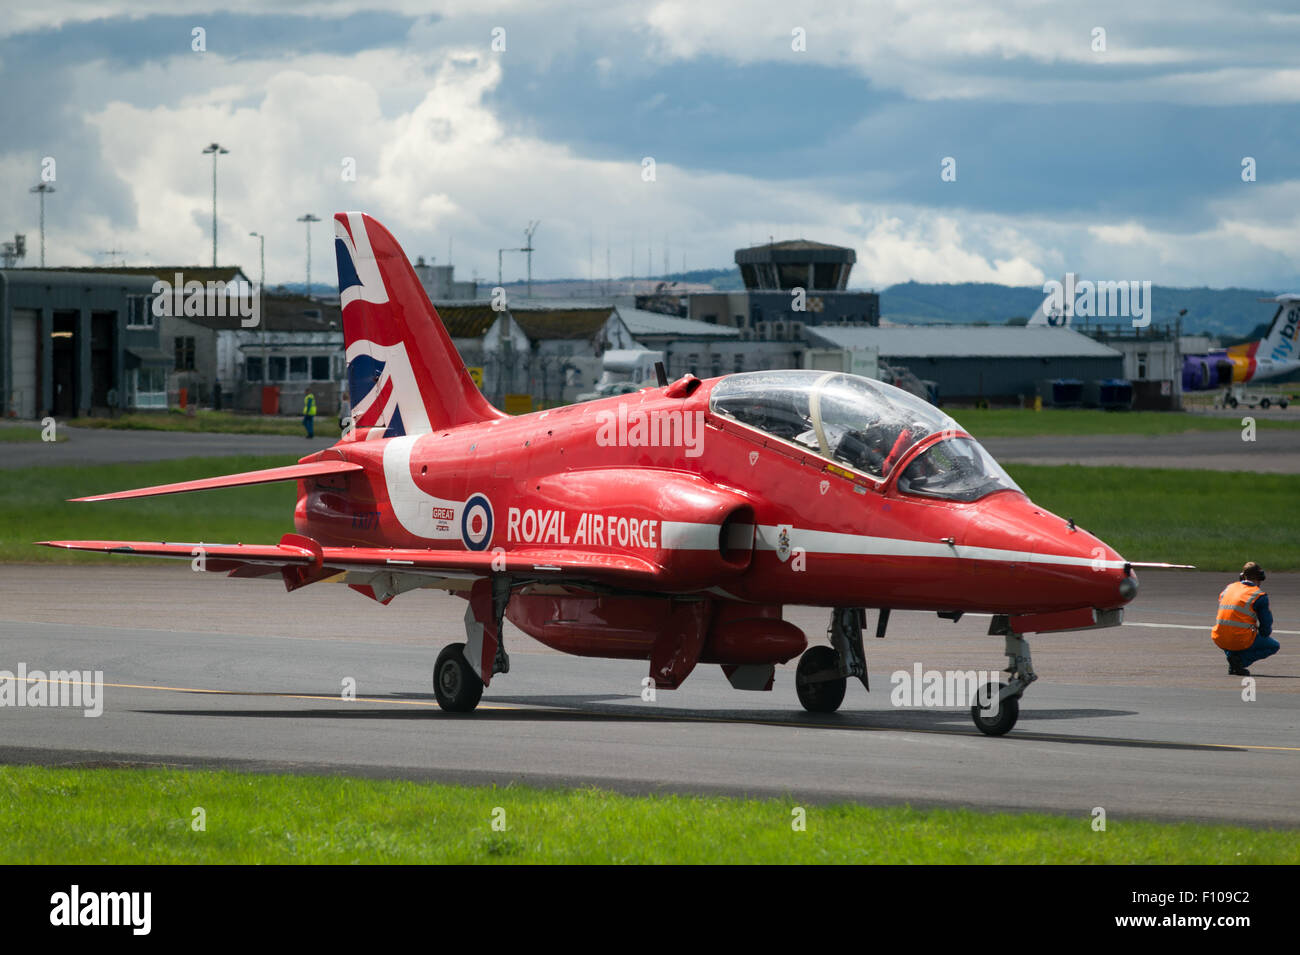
(309, 422)
(1261, 648)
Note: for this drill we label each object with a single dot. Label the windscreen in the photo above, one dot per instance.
(957, 469)
(863, 424)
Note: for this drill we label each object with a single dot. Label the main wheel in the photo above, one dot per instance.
(1283, 403)
(1230, 402)
(1264, 403)
(823, 696)
(999, 722)
(457, 687)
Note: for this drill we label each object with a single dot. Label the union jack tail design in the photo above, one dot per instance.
(404, 373)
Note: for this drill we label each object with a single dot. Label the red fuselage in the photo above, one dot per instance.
(755, 519)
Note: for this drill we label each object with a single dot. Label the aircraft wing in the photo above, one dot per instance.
(294, 472)
(302, 560)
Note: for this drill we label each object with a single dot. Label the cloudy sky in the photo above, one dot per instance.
(825, 119)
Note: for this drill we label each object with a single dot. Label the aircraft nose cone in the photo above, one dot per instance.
(1057, 564)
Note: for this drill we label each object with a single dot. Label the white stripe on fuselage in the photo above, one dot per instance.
(678, 535)
(413, 507)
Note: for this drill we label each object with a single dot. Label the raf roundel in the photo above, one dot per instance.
(476, 522)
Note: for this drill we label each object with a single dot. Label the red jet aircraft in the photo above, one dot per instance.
(670, 525)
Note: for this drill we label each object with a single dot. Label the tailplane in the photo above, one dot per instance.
(404, 373)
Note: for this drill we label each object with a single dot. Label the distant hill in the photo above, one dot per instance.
(1231, 312)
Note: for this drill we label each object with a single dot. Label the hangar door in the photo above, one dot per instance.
(23, 363)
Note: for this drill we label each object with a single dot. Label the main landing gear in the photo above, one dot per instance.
(455, 683)
(464, 669)
(822, 675)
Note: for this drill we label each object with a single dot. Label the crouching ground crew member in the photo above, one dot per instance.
(1244, 626)
(309, 413)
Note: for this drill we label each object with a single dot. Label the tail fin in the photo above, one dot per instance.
(1052, 310)
(403, 371)
(1280, 344)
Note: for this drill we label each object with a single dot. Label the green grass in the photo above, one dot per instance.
(227, 422)
(1216, 520)
(1023, 423)
(8, 433)
(34, 507)
(81, 816)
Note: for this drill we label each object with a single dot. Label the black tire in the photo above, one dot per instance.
(1283, 403)
(1231, 402)
(457, 687)
(824, 696)
(1264, 403)
(1008, 711)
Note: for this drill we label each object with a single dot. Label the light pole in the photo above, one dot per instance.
(308, 219)
(528, 247)
(261, 243)
(42, 189)
(261, 287)
(217, 150)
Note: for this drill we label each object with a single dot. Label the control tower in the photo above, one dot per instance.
(797, 263)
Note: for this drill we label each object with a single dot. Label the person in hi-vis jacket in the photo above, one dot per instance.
(1243, 629)
(309, 413)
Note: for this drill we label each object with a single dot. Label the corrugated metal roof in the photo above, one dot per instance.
(281, 313)
(561, 323)
(538, 303)
(167, 273)
(65, 278)
(642, 322)
(960, 341)
(467, 321)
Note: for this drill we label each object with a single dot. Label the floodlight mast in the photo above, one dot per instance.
(308, 219)
(216, 149)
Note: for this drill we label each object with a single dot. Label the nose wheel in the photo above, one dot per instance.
(997, 707)
(993, 714)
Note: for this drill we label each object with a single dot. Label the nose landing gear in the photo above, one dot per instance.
(998, 706)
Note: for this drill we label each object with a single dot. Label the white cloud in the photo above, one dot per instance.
(434, 163)
(931, 248)
(446, 167)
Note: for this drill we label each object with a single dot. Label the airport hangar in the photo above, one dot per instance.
(75, 340)
(995, 364)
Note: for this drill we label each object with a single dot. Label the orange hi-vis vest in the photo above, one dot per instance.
(1236, 626)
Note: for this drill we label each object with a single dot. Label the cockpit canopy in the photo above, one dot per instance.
(863, 424)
